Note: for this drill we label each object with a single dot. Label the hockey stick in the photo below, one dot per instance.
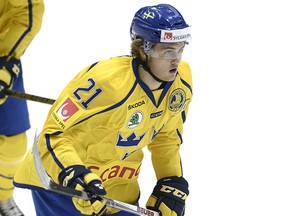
(50, 185)
(26, 96)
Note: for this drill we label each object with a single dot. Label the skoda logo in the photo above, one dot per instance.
(135, 119)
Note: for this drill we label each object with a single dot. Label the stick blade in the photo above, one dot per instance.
(50, 185)
(47, 182)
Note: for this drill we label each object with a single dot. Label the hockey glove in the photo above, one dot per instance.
(81, 178)
(9, 71)
(169, 196)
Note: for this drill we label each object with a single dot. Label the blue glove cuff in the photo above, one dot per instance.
(68, 176)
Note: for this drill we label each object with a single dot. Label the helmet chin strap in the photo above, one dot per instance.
(148, 69)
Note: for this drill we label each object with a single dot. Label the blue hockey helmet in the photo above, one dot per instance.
(160, 23)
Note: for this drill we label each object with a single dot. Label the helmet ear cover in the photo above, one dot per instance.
(147, 46)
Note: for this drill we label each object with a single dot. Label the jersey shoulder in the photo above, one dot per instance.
(114, 77)
(98, 88)
(185, 72)
(114, 74)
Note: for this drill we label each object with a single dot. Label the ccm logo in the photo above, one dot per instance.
(117, 171)
(174, 191)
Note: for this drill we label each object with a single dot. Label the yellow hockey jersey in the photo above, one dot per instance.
(103, 119)
(20, 21)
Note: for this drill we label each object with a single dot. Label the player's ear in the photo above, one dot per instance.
(142, 53)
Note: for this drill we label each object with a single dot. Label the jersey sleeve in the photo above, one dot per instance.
(56, 141)
(165, 148)
(76, 113)
(21, 20)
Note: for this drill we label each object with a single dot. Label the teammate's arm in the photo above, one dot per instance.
(19, 25)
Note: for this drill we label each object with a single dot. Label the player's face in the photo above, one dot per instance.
(164, 60)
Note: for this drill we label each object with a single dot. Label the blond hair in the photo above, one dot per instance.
(135, 47)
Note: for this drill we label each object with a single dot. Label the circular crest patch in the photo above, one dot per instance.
(177, 100)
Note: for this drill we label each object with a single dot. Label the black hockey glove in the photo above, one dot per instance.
(169, 196)
(9, 71)
(81, 178)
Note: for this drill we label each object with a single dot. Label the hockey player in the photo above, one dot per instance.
(20, 21)
(94, 133)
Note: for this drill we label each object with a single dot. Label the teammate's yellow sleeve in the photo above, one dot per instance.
(20, 21)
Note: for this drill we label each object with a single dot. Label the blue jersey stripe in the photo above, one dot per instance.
(183, 116)
(187, 84)
(47, 136)
(30, 14)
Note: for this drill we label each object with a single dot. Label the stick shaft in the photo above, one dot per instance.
(31, 97)
(49, 184)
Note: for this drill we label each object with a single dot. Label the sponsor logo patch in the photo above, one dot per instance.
(135, 105)
(175, 36)
(135, 119)
(156, 114)
(67, 109)
(116, 170)
(65, 113)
